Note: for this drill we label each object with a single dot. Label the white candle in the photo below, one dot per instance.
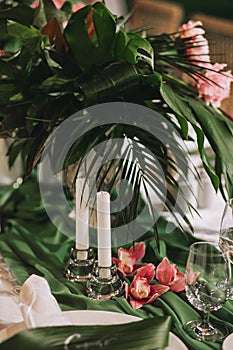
(82, 216)
(104, 229)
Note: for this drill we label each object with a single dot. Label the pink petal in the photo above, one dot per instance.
(125, 284)
(119, 265)
(121, 268)
(178, 285)
(158, 289)
(151, 299)
(155, 292)
(135, 295)
(135, 303)
(135, 268)
(125, 256)
(58, 3)
(140, 288)
(77, 7)
(165, 272)
(147, 271)
(142, 302)
(191, 277)
(137, 251)
(115, 261)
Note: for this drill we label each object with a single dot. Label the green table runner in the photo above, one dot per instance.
(31, 244)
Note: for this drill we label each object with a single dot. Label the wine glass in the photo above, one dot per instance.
(208, 277)
(226, 232)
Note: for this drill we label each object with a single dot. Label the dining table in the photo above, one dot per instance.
(31, 244)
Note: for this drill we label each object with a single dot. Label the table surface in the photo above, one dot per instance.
(31, 244)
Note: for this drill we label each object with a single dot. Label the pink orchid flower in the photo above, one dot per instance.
(170, 275)
(140, 292)
(197, 47)
(126, 262)
(217, 86)
(191, 29)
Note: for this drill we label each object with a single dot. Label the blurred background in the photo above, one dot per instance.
(222, 8)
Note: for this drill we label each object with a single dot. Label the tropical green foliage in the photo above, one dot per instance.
(49, 73)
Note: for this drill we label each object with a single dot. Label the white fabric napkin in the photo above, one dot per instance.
(38, 306)
(9, 311)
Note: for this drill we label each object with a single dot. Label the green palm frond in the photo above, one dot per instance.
(121, 152)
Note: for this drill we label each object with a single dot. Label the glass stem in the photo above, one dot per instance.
(205, 326)
(205, 320)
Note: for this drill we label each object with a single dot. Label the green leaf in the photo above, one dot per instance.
(22, 13)
(45, 12)
(111, 83)
(14, 119)
(153, 80)
(22, 32)
(213, 127)
(56, 83)
(7, 90)
(176, 102)
(7, 69)
(147, 334)
(14, 151)
(132, 48)
(91, 52)
(184, 125)
(205, 161)
(35, 151)
(218, 133)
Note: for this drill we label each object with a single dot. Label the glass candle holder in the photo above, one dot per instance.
(104, 283)
(80, 265)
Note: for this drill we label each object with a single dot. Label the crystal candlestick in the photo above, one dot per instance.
(104, 283)
(80, 265)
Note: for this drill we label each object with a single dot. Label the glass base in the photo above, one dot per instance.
(208, 333)
(231, 294)
(104, 283)
(80, 265)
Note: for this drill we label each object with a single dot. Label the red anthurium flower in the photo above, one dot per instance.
(140, 292)
(126, 262)
(170, 275)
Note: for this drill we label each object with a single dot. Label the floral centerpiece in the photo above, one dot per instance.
(57, 59)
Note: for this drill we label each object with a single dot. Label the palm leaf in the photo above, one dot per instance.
(151, 334)
(133, 163)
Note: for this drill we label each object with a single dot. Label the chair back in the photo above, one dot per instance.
(156, 17)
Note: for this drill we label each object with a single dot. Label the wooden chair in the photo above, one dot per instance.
(156, 17)
(219, 33)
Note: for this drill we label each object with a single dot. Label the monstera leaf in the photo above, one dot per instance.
(88, 51)
(92, 37)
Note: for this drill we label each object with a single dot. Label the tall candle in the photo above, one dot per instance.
(82, 215)
(104, 229)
